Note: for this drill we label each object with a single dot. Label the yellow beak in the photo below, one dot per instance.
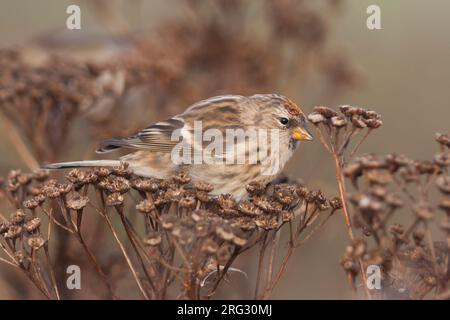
(299, 133)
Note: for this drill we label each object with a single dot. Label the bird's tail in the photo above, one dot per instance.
(86, 163)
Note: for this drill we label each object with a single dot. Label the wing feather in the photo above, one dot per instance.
(157, 137)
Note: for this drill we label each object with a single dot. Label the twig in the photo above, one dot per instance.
(18, 144)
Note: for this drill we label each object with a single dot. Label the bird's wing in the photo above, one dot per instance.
(219, 113)
(159, 137)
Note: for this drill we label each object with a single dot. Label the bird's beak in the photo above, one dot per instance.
(300, 133)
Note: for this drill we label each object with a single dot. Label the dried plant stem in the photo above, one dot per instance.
(280, 272)
(272, 257)
(360, 142)
(52, 272)
(343, 197)
(127, 258)
(8, 262)
(315, 229)
(97, 266)
(38, 275)
(18, 144)
(260, 264)
(131, 236)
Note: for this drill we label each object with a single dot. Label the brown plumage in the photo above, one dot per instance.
(154, 150)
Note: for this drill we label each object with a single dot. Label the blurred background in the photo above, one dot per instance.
(161, 56)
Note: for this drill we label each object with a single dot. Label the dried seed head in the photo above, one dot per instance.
(145, 206)
(394, 161)
(24, 179)
(345, 108)
(423, 211)
(245, 223)
(187, 202)
(442, 160)
(373, 123)
(174, 195)
(349, 266)
(249, 209)
(30, 204)
(302, 191)
(118, 185)
(380, 177)
(182, 178)
(368, 205)
(76, 176)
(186, 237)
(359, 248)
(122, 170)
(64, 188)
(114, 199)
(102, 172)
(409, 173)
(203, 186)
(19, 256)
(443, 139)
(284, 194)
(160, 198)
(145, 185)
(255, 188)
(267, 223)
(443, 183)
(316, 118)
(267, 205)
(202, 196)
(393, 200)
(168, 221)
(338, 121)
(14, 232)
(18, 217)
(226, 201)
(36, 242)
(40, 175)
(239, 238)
(223, 254)
(52, 192)
(336, 203)
(325, 111)
(40, 198)
(153, 238)
(77, 201)
(287, 215)
(358, 122)
(225, 232)
(4, 228)
(32, 225)
(378, 192)
(209, 246)
(425, 167)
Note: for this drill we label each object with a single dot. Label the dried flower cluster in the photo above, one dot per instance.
(190, 240)
(414, 259)
(212, 50)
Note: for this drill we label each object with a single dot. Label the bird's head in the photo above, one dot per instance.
(279, 112)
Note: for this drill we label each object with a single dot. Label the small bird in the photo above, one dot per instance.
(155, 151)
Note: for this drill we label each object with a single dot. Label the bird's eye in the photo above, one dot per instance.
(284, 121)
